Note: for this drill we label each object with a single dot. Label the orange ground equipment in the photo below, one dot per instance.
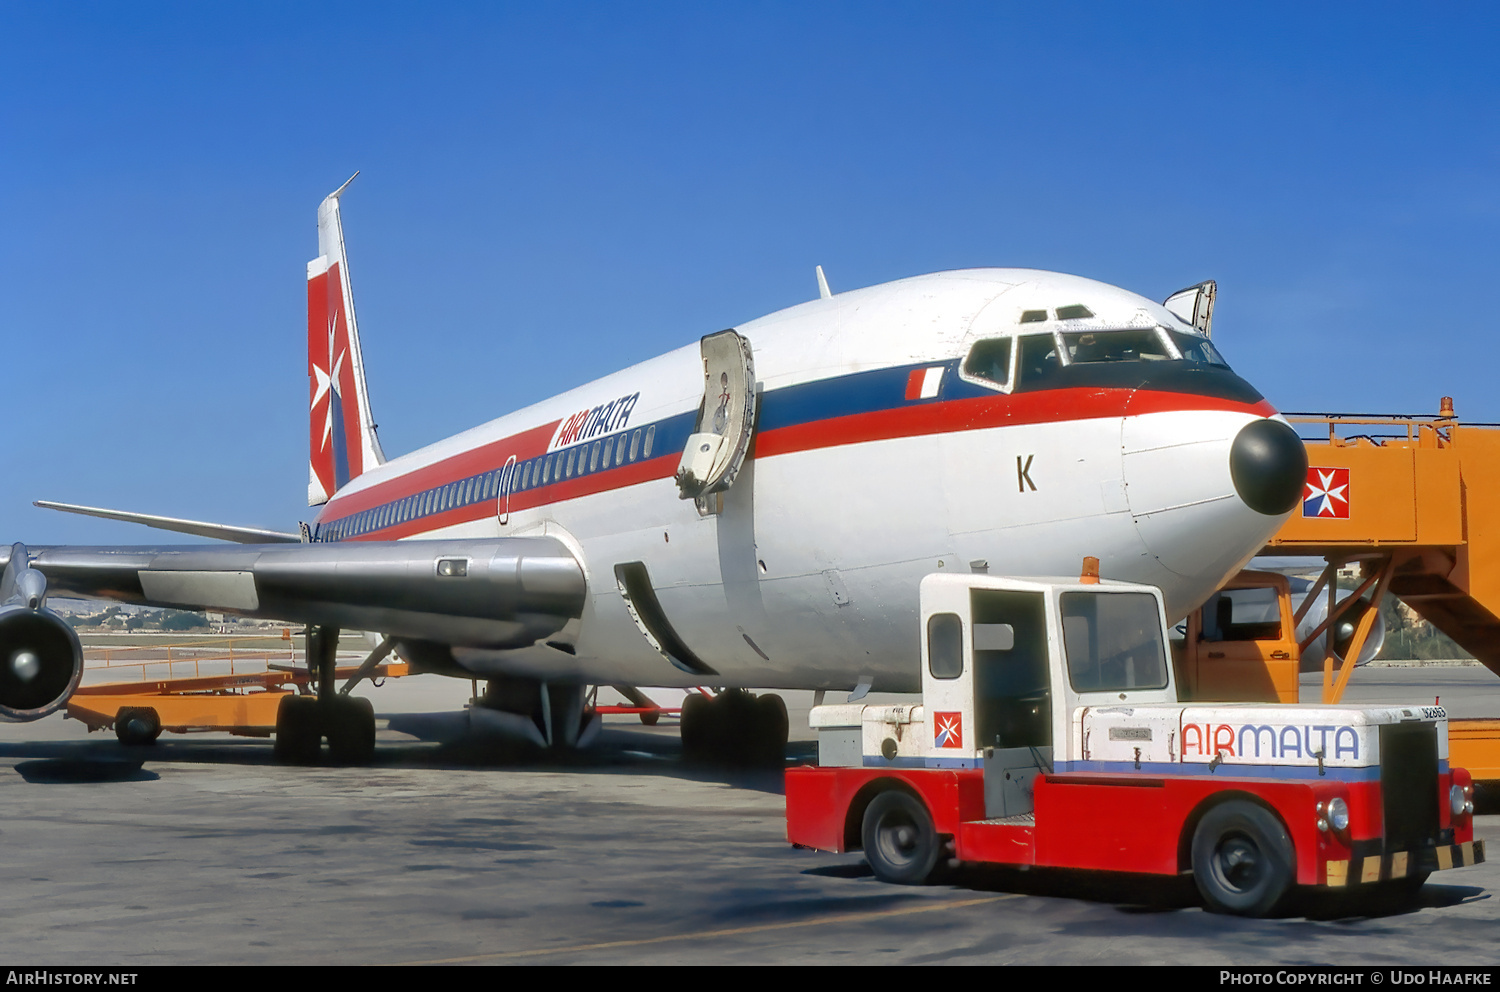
(243, 701)
(1414, 503)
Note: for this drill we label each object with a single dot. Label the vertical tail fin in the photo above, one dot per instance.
(341, 433)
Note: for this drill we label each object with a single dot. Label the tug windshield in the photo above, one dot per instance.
(1113, 641)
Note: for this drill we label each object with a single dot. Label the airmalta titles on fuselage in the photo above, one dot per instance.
(595, 421)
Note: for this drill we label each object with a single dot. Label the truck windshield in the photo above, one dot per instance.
(1113, 641)
(1133, 344)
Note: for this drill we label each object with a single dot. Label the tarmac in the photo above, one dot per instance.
(202, 850)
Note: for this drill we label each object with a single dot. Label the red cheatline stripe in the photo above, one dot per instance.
(1047, 406)
(486, 458)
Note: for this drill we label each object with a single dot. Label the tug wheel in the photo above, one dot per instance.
(1243, 860)
(137, 725)
(900, 842)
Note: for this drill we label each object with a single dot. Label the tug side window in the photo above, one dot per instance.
(945, 645)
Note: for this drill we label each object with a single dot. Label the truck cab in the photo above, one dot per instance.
(1051, 733)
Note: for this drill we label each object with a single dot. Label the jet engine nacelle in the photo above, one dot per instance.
(1342, 631)
(41, 662)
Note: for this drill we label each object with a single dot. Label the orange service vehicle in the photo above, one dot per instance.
(1413, 504)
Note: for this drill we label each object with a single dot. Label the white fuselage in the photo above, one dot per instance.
(867, 472)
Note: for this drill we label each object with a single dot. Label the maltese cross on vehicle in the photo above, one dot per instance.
(1327, 493)
(948, 729)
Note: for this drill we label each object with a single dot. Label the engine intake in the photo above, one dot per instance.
(41, 662)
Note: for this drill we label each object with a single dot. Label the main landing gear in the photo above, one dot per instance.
(347, 721)
(734, 728)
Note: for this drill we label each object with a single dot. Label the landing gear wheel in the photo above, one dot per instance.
(698, 730)
(299, 730)
(136, 725)
(1243, 860)
(649, 718)
(735, 729)
(350, 726)
(770, 728)
(900, 842)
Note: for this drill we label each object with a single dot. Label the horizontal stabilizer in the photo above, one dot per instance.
(198, 528)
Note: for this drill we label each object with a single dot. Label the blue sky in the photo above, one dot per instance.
(549, 192)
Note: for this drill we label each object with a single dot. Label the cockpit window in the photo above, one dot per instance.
(989, 360)
(1033, 316)
(1037, 358)
(1074, 312)
(1196, 349)
(1135, 344)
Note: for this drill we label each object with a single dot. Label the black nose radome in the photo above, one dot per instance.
(1268, 464)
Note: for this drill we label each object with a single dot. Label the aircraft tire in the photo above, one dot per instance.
(771, 727)
(699, 713)
(299, 730)
(136, 725)
(351, 730)
(900, 841)
(736, 732)
(1243, 860)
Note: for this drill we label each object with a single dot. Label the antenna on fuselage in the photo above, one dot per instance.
(823, 291)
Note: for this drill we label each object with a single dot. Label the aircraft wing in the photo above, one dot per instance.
(503, 592)
(497, 593)
(199, 528)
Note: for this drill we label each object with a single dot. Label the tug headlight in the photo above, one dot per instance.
(1338, 814)
(1458, 801)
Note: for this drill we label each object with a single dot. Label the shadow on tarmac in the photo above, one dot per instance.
(442, 740)
(87, 768)
(1153, 894)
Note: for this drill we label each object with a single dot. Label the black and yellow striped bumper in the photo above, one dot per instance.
(1399, 864)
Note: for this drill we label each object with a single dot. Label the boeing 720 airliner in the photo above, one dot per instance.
(755, 509)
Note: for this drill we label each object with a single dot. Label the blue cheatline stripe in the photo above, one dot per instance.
(876, 761)
(844, 396)
(1369, 773)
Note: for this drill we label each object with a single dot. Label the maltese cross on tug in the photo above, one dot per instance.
(753, 511)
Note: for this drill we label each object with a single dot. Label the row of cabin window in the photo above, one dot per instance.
(532, 473)
(608, 453)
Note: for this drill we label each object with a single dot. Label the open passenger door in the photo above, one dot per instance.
(716, 448)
